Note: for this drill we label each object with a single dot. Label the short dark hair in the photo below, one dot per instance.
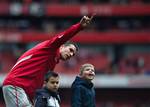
(50, 74)
(71, 43)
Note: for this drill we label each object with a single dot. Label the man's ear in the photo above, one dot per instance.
(45, 82)
(61, 47)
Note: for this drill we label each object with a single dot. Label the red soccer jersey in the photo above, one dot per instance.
(28, 73)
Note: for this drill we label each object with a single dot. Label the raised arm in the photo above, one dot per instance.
(63, 37)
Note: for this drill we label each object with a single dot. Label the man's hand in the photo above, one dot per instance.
(85, 21)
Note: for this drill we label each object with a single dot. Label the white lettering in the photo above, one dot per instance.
(21, 60)
(60, 36)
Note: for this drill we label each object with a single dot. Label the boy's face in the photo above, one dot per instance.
(88, 73)
(53, 84)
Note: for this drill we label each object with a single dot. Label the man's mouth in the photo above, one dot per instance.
(67, 56)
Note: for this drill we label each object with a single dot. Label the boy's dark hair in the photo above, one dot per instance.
(50, 74)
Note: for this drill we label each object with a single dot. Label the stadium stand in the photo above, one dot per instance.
(117, 42)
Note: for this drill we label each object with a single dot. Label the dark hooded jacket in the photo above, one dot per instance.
(83, 93)
(46, 98)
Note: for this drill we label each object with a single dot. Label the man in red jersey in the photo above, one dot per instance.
(27, 74)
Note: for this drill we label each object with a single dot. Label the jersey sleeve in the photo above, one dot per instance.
(66, 35)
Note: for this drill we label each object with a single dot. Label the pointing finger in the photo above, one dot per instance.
(92, 16)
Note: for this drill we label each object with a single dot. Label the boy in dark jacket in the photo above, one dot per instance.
(48, 96)
(83, 93)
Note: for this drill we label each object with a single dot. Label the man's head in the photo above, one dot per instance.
(87, 72)
(67, 51)
(51, 81)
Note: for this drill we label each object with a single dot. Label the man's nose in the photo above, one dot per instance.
(71, 54)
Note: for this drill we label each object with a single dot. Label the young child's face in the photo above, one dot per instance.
(88, 73)
(53, 84)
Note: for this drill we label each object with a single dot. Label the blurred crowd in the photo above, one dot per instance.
(81, 1)
(102, 24)
(129, 60)
(108, 58)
